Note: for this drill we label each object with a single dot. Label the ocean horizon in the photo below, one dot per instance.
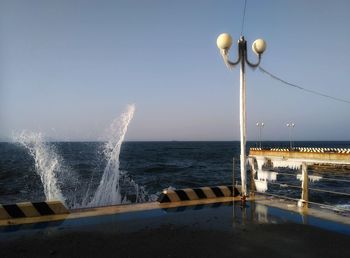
(146, 168)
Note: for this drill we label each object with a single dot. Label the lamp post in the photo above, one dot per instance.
(290, 125)
(260, 125)
(224, 42)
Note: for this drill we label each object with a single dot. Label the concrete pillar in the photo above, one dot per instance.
(303, 202)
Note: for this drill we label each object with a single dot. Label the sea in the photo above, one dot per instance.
(84, 174)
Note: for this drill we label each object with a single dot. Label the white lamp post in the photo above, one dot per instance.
(260, 125)
(224, 42)
(290, 125)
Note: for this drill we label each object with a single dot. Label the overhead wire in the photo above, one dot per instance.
(275, 77)
(243, 17)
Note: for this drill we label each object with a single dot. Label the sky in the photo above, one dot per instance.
(68, 68)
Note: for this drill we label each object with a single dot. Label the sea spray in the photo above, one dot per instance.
(131, 190)
(46, 160)
(108, 191)
(62, 183)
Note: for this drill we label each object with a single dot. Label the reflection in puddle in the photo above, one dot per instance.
(254, 212)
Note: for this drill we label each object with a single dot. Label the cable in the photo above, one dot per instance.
(301, 88)
(334, 179)
(326, 191)
(322, 178)
(332, 207)
(286, 185)
(243, 18)
(312, 189)
(343, 176)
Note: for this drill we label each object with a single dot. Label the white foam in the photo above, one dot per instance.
(108, 191)
(131, 187)
(47, 164)
(267, 175)
(312, 178)
(261, 185)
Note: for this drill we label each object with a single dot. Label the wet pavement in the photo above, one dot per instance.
(205, 230)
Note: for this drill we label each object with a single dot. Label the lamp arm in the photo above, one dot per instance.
(230, 64)
(251, 64)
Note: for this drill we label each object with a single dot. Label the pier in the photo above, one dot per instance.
(299, 158)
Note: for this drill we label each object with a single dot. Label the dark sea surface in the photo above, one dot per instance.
(153, 166)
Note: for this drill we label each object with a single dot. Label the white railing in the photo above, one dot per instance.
(260, 179)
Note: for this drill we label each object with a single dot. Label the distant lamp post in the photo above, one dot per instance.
(224, 43)
(290, 125)
(260, 125)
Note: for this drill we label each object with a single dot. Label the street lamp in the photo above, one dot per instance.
(290, 125)
(260, 125)
(224, 42)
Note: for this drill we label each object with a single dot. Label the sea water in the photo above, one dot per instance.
(144, 169)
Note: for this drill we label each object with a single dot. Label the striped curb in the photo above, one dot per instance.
(307, 149)
(190, 194)
(31, 209)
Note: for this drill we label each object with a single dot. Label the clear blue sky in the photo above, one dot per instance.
(67, 68)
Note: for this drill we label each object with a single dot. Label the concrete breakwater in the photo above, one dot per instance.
(313, 156)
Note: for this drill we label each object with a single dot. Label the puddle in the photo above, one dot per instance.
(226, 216)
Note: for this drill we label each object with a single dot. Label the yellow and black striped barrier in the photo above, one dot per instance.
(31, 209)
(190, 194)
